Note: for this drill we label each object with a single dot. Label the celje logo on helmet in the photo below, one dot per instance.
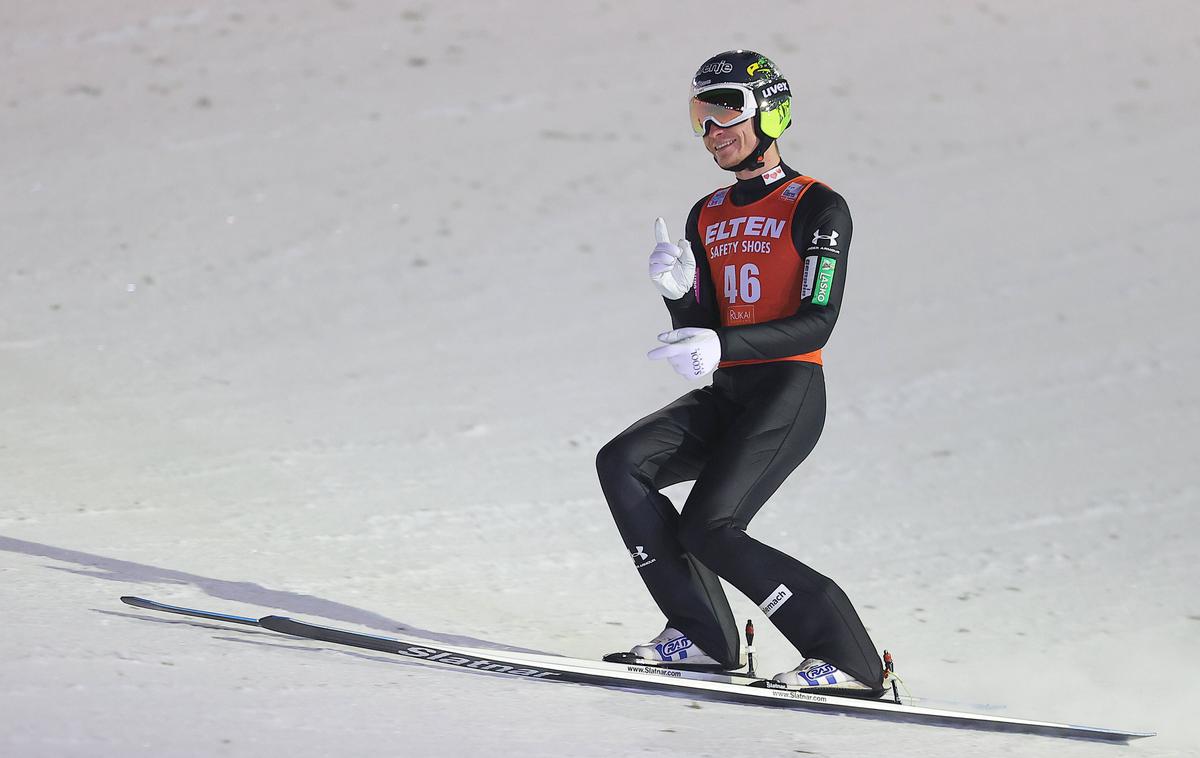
(716, 67)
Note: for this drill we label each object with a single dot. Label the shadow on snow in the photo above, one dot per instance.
(116, 570)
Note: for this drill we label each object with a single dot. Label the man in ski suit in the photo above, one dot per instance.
(755, 313)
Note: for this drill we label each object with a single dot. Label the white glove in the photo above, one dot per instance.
(672, 266)
(691, 351)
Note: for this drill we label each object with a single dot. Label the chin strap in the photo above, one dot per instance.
(755, 159)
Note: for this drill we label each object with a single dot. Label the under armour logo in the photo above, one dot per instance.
(832, 237)
(641, 558)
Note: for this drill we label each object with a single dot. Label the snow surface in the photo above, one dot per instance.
(324, 308)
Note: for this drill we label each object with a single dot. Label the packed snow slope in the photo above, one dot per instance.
(324, 308)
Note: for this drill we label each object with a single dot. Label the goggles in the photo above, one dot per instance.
(723, 105)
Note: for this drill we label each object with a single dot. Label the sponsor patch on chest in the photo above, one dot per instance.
(744, 226)
(792, 191)
(718, 197)
(740, 314)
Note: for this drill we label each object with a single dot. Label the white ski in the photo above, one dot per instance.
(713, 686)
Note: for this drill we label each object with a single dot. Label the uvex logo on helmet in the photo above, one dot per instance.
(775, 89)
(716, 67)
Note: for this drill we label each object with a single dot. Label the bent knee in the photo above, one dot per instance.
(708, 539)
(613, 459)
(623, 455)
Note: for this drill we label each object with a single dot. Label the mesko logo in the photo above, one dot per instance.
(717, 67)
(751, 226)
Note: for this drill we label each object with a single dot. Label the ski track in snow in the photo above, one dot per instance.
(324, 308)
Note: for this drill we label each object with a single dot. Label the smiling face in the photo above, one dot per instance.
(730, 146)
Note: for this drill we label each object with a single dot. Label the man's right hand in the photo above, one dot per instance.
(672, 266)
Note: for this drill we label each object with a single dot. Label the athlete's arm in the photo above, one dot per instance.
(698, 307)
(821, 229)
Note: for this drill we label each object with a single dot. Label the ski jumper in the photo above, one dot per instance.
(771, 285)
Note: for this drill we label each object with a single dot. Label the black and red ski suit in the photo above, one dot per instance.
(739, 438)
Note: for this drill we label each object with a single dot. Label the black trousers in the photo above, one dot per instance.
(738, 439)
